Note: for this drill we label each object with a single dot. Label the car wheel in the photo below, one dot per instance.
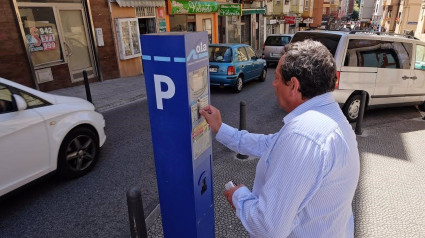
(78, 153)
(422, 107)
(239, 85)
(263, 75)
(352, 107)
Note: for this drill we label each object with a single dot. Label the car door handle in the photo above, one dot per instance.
(404, 77)
(414, 77)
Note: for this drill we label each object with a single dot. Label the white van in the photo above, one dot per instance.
(390, 68)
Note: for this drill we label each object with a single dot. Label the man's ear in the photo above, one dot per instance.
(294, 84)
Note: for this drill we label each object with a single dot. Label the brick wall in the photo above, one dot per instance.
(107, 54)
(14, 63)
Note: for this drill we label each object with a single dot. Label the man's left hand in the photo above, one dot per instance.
(229, 194)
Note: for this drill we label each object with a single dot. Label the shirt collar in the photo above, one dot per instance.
(314, 102)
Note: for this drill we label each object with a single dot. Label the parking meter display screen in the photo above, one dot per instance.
(198, 90)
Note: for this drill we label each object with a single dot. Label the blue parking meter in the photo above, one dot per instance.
(177, 85)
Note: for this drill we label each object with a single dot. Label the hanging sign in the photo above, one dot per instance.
(289, 19)
(190, 7)
(230, 10)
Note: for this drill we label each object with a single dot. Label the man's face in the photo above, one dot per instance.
(282, 90)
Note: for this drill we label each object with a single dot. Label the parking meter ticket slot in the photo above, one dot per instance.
(200, 139)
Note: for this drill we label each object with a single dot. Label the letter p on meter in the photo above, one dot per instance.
(160, 95)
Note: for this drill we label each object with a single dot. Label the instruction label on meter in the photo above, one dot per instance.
(198, 90)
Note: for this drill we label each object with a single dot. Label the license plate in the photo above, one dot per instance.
(276, 55)
(213, 70)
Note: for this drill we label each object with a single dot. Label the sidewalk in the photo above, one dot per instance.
(390, 197)
(109, 93)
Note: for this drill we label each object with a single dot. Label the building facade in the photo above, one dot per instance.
(50, 43)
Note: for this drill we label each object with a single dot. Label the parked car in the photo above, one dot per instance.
(232, 65)
(41, 133)
(273, 47)
(389, 68)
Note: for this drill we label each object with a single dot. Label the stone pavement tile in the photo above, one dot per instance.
(390, 197)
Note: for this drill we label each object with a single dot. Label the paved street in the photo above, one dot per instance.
(389, 200)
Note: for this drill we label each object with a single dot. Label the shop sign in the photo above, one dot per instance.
(190, 7)
(248, 11)
(41, 39)
(230, 10)
(162, 25)
(289, 19)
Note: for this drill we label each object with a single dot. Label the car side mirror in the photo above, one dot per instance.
(20, 102)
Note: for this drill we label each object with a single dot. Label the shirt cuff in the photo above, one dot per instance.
(239, 197)
(225, 134)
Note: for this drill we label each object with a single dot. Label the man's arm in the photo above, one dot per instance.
(238, 141)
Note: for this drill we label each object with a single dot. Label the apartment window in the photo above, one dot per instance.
(277, 2)
(306, 5)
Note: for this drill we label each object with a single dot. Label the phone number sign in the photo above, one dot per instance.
(41, 39)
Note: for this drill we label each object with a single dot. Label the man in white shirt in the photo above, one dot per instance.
(308, 171)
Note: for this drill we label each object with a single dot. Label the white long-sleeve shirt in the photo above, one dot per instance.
(306, 176)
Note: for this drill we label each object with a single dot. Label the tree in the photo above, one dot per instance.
(355, 14)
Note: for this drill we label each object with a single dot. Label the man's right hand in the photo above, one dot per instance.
(213, 117)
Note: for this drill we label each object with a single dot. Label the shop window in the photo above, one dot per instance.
(128, 37)
(41, 35)
(206, 24)
(147, 25)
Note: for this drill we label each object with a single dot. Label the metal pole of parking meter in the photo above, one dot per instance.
(361, 114)
(86, 84)
(242, 124)
(136, 213)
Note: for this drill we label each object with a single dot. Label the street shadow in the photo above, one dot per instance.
(387, 138)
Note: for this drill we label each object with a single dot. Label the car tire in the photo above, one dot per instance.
(239, 85)
(352, 107)
(263, 75)
(78, 153)
(422, 107)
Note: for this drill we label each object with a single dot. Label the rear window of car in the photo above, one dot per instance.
(220, 54)
(331, 41)
(277, 40)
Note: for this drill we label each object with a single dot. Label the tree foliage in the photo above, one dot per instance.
(355, 15)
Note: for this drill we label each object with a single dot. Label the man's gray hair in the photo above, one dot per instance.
(312, 64)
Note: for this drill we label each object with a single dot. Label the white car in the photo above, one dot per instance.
(389, 68)
(41, 133)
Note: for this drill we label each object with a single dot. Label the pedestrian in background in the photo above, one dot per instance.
(307, 173)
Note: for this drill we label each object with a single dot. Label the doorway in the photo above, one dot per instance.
(76, 44)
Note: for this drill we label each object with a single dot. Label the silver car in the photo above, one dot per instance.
(273, 46)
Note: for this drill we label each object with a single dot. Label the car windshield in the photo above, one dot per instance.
(329, 40)
(277, 40)
(220, 54)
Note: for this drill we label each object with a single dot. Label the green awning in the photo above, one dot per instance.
(248, 11)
